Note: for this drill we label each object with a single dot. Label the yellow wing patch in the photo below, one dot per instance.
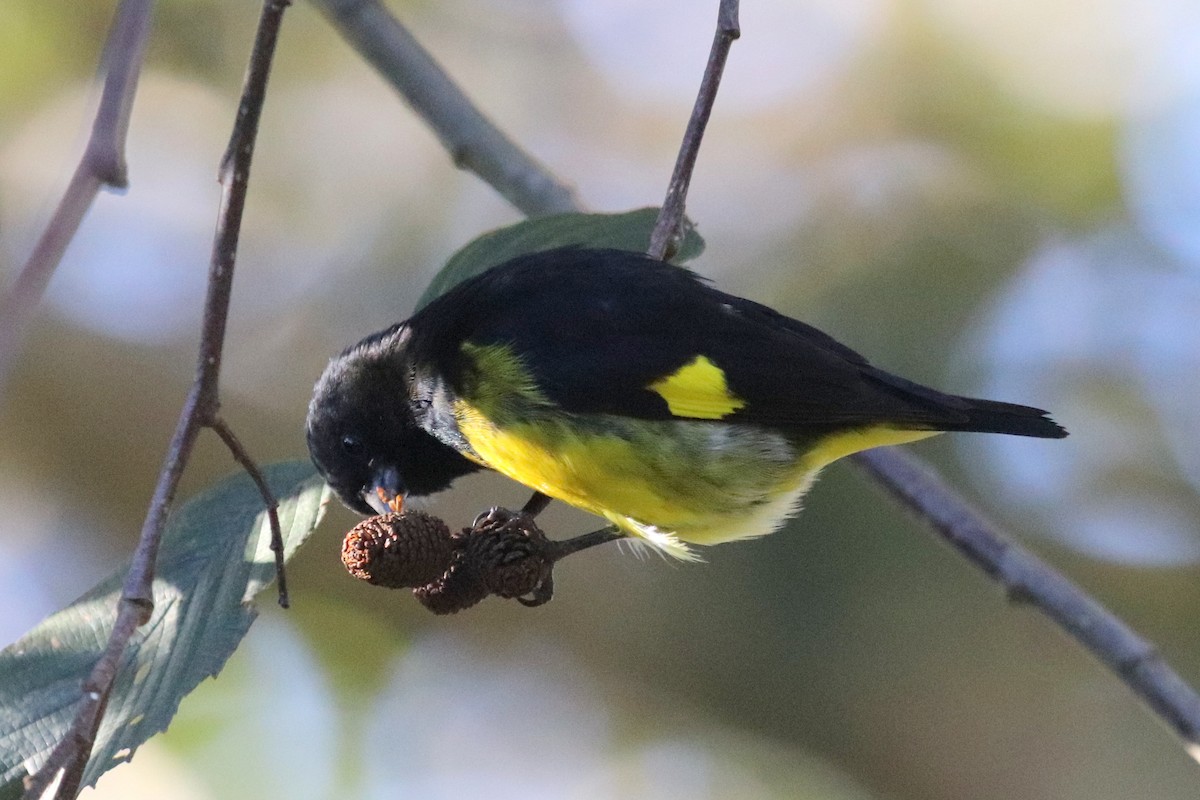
(698, 390)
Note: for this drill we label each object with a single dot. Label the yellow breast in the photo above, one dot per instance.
(666, 482)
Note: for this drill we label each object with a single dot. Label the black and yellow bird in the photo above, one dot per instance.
(624, 386)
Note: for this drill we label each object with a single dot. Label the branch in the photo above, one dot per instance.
(664, 240)
(1130, 657)
(1027, 579)
(200, 410)
(473, 142)
(102, 164)
(222, 429)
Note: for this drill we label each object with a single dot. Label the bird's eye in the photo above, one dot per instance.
(352, 445)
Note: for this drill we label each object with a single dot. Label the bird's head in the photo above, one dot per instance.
(363, 435)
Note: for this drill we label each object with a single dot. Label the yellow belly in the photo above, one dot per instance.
(666, 482)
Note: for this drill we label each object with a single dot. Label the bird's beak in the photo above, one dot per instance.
(385, 494)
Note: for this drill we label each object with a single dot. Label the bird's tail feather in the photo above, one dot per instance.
(946, 412)
(993, 416)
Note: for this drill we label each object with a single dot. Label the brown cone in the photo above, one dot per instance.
(459, 588)
(512, 554)
(402, 550)
(503, 554)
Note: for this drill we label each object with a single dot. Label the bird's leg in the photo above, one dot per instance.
(554, 551)
(498, 518)
(565, 547)
(536, 504)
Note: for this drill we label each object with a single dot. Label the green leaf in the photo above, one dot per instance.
(627, 231)
(215, 557)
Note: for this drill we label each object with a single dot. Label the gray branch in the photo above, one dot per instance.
(70, 756)
(473, 142)
(102, 164)
(1027, 579)
(665, 237)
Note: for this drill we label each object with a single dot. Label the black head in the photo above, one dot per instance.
(362, 434)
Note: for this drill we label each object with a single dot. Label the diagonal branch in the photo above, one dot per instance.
(473, 142)
(1027, 579)
(665, 238)
(238, 451)
(200, 410)
(985, 544)
(102, 164)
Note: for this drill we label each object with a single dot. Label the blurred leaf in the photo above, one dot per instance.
(626, 231)
(216, 556)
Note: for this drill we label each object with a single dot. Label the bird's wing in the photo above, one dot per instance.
(607, 332)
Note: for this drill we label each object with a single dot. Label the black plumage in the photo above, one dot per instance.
(597, 327)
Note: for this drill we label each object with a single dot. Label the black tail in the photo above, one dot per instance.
(935, 410)
(993, 416)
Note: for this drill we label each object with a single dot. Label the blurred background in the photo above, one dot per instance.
(996, 198)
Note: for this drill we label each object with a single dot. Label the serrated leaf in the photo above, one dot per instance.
(215, 557)
(626, 231)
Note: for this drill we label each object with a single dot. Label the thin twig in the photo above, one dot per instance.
(200, 409)
(474, 143)
(102, 164)
(243, 458)
(234, 177)
(1027, 579)
(664, 240)
(1162, 688)
(71, 754)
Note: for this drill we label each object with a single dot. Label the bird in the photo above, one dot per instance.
(625, 386)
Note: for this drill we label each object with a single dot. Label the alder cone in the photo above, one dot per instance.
(401, 550)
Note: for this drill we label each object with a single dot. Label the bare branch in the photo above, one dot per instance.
(664, 241)
(102, 164)
(243, 458)
(1027, 579)
(70, 756)
(474, 143)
